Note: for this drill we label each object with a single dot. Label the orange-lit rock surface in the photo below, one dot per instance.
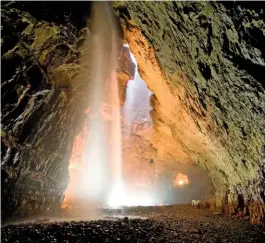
(208, 104)
(75, 167)
(138, 165)
(204, 63)
(176, 134)
(125, 72)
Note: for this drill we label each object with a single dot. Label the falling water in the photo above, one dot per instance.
(101, 174)
(117, 192)
(102, 157)
(137, 104)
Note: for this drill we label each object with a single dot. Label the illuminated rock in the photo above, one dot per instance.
(202, 61)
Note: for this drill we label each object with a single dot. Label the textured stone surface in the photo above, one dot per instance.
(203, 61)
(125, 72)
(40, 115)
(43, 102)
(143, 224)
(46, 62)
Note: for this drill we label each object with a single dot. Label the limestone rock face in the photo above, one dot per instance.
(40, 115)
(125, 72)
(204, 64)
(46, 63)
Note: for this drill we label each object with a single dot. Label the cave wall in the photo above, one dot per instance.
(47, 60)
(124, 72)
(40, 111)
(204, 63)
(42, 106)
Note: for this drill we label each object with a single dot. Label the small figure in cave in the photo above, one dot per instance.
(195, 203)
(151, 161)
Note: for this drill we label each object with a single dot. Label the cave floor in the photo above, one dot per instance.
(178, 223)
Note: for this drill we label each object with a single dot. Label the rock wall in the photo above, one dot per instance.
(124, 72)
(40, 111)
(204, 63)
(46, 62)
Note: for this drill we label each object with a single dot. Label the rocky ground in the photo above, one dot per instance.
(143, 224)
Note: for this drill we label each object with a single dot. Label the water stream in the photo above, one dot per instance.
(100, 180)
(102, 156)
(137, 104)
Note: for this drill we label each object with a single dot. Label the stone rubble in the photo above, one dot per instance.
(162, 224)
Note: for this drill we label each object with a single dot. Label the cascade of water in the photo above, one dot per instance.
(101, 173)
(137, 104)
(135, 111)
(102, 157)
(117, 192)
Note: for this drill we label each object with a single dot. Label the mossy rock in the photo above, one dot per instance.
(44, 33)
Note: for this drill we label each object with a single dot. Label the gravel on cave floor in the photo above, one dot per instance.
(179, 223)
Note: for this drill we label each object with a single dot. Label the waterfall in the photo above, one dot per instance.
(102, 170)
(100, 180)
(137, 103)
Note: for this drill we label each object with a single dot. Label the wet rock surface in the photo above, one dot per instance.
(44, 87)
(125, 71)
(203, 63)
(212, 59)
(161, 224)
(38, 108)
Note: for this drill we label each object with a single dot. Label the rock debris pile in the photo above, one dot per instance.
(162, 224)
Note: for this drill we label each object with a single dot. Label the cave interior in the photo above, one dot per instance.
(114, 107)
